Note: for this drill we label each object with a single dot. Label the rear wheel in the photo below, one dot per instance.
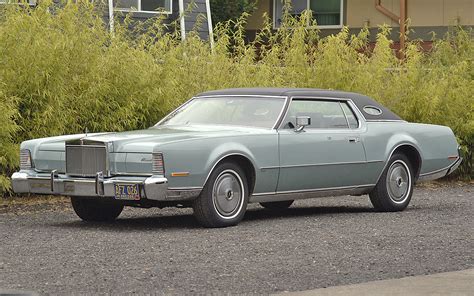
(223, 200)
(277, 205)
(96, 210)
(394, 189)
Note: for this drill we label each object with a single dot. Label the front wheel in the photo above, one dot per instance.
(95, 210)
(223, 200)
(394, 189)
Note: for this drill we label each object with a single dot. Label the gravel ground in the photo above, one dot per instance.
(316, 243)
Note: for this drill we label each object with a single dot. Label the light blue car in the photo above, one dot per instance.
(224, 149)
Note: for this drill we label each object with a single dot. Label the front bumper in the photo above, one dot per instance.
(151, 187)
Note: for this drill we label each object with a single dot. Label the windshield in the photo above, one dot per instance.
(242, 111)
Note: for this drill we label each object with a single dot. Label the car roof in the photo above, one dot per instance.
(359, 100)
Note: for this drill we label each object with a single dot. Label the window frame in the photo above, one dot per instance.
(10, 2)
(353, 113)
(308, 4)
(139, 10)
(358, 116)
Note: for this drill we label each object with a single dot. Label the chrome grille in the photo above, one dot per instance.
(86, 160)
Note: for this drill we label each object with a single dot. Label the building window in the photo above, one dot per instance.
(146, 6)
(29, 2)
(327, 13)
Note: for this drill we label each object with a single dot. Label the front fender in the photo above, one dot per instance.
(200, 156)
(225, 150)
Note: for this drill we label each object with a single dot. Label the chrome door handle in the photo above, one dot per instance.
(354, 140)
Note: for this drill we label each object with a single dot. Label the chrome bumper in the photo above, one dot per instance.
(440, 173)
(153, 187)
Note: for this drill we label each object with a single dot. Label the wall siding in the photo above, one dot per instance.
(196, 17)
(425, 16)
(194, 10)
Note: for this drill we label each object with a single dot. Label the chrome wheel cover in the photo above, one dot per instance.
(398, 181)
(228, 194)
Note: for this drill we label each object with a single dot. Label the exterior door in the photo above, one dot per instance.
(328, 153)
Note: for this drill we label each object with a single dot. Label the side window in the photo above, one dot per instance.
(351, 118)
(323, 114)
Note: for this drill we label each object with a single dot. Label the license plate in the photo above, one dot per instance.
(127, 191)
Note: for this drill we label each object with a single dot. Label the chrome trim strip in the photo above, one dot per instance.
(455, 165)
(345, 115)
(319, 164)
(174, 111)
(269, 168)
(357, 114)
(282, 112)
(433, 175)
(260, 96)
(182, 195)
(310, 193)
(185, 188)
(437, 171)
(325, 164)
(322, 189)
(131, 174)
(386, 120)
(85, 145)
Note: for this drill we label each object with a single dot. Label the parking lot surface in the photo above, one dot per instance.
(316, 243)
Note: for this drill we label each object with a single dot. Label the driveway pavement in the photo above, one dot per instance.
(316, 243)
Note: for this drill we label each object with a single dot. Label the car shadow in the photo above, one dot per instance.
(294, 212)
(187, 221)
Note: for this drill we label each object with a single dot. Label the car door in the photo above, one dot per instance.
(328, 153)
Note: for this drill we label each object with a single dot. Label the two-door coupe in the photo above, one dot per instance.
(224, 149)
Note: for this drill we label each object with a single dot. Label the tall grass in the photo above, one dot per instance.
(61, 71)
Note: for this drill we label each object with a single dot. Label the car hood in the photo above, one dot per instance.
(145, 140)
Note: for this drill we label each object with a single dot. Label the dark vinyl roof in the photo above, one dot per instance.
(359, 100)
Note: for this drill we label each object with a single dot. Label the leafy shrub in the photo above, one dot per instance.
(61, 71)
(8, 150)
(224, 10)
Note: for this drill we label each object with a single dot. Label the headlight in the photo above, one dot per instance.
(158, 164)
(25, 159)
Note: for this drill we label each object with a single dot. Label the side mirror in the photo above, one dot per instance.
(302, 122)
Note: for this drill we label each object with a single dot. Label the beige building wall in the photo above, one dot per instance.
(420, 12)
